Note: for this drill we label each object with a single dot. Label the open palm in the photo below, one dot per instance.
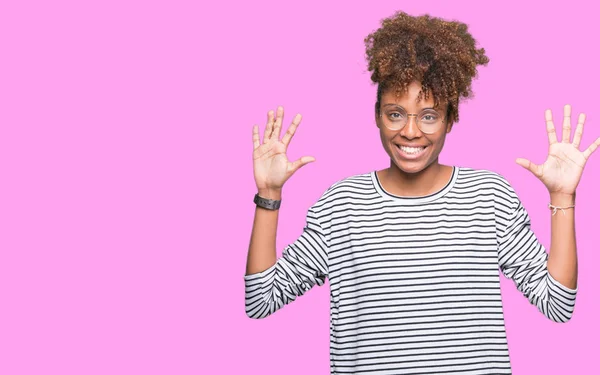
(562, 170)
(271, 165)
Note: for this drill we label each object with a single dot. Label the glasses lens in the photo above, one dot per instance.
(429, 121)
(395, 119)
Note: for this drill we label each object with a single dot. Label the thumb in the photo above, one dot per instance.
(301, 162)
(533, 168)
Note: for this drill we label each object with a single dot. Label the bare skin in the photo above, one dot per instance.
(421, 176)
(561, 173)
(405, 176)
(271, 170)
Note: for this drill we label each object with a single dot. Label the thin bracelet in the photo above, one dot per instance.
(554, 208)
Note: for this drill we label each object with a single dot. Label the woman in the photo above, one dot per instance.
(412, 251)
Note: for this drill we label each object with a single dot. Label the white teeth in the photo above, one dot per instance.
(412, 150)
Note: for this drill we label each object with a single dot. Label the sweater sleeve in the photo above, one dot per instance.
(523, 259)
(302, 265)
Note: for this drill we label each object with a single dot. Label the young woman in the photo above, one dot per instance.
(412, 252)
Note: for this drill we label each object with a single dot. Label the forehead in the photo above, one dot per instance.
(409, 104)
(408, 99)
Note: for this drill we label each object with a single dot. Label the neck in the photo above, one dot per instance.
(421, 183)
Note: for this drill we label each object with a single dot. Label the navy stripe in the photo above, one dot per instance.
(415, 281)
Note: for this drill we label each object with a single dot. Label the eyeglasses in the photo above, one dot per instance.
(428, 121)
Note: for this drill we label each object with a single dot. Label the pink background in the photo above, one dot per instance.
(126, 172)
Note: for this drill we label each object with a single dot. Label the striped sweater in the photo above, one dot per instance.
(415, 284)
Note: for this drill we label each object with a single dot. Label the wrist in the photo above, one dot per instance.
(562, 199)
(274, 194)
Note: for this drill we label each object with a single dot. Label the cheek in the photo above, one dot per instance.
(387, 141)
(439, 143)
(384, 138)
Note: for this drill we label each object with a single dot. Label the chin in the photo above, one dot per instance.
(410, 168)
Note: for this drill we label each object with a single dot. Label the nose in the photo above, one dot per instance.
(410, 130)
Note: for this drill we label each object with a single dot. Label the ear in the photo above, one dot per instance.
(377, 118)
(449, 127)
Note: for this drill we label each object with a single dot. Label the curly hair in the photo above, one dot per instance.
(440, 54)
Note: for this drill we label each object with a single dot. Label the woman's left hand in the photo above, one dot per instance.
(563, 168)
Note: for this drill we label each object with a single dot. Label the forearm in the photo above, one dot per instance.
(562, 261)
(262, 251)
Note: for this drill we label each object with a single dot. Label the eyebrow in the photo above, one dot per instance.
(399, 106)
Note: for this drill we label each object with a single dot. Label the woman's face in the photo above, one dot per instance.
(410, 135)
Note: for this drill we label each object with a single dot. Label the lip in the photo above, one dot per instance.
(409, 156)
(415, 146)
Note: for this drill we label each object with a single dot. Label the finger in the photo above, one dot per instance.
(302, 162)
(287, 137)
(579, 130)
(255, 137)
(278, 121)
(550, 127)
(566, 131)
(533, 168)
(269, 128)
(591, 149)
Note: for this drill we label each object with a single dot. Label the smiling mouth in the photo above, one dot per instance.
(411, 151)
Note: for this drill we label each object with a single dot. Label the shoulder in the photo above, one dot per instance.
(485, 178)
(495, 184)
(357, 183)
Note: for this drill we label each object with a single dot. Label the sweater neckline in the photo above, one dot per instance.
(418, 199)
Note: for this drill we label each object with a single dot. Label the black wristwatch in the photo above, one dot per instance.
(269, 204)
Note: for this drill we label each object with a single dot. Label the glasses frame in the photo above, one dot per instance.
(416, 116)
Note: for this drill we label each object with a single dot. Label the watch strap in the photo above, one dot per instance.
(269, 204)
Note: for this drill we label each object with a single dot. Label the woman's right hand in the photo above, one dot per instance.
(271, 165)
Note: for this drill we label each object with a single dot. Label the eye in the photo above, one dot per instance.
(395, 115)
(429, 117)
